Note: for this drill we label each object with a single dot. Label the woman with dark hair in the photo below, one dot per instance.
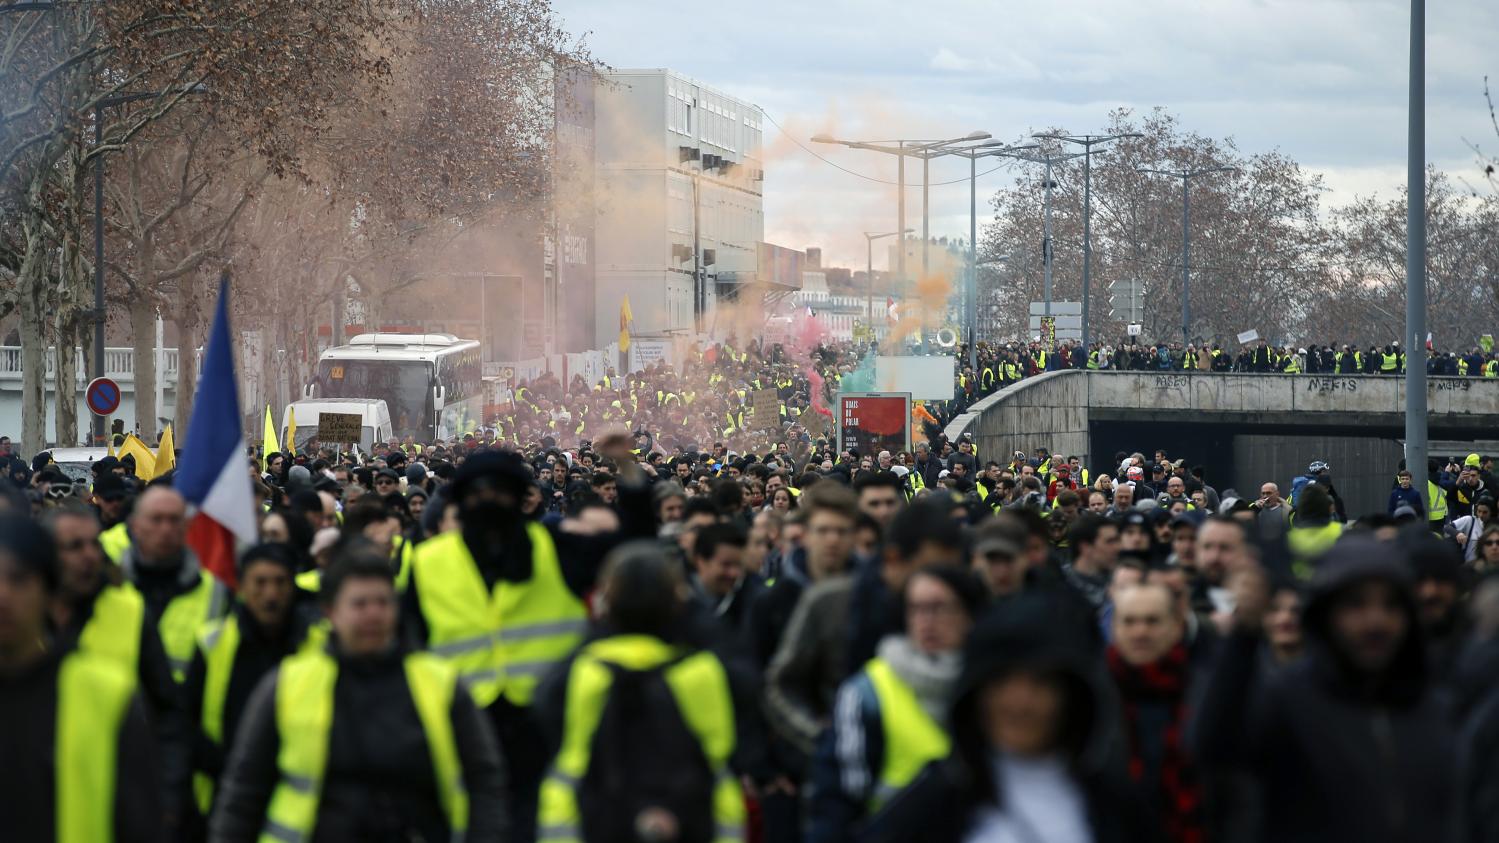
(1034, 755)
(783, 501)
(1488, 549)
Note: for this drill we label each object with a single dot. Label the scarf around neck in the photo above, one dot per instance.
(931, 676)
(1162, 681)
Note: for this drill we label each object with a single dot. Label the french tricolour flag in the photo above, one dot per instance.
(211, 474)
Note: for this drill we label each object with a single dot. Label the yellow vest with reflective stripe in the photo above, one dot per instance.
(504, 641)
(700, 686)
(1308, 543)
(1437, 510)
(304, 723)
(912, 738)
(218, 641)
(183, 617)
(114, 629)
(114, 541)
(93, 697)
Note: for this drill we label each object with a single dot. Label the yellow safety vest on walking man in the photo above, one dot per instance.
(501, 641)
(304, 725)
(700, 686)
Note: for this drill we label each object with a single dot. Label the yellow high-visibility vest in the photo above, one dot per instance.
(700, 686)
(114, 629)
(93, 698)
(114, 541)
(912, 738)
(304, 724)
(502, 642)
(184, 616)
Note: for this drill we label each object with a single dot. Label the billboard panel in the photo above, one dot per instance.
(870, 422)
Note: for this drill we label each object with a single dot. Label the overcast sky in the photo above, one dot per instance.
(1324, 81)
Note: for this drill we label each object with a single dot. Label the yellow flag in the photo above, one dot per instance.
(625, 318)
(145, 461)
(166, 453)
(269, 446)
(109, 444)
(291, 428)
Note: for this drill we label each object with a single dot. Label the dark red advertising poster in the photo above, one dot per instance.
(870, 422)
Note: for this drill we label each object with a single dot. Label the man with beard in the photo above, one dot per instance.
(502, 599)
(1351, 742)
(1437, 568)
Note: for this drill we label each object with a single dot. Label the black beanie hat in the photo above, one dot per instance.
(273, 552)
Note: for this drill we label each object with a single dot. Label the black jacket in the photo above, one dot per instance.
(28, 737)
(731, 612)
(379, 784)
(258, 654)
(1338, 757)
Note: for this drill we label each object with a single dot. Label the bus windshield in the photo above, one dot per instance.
(405, 386)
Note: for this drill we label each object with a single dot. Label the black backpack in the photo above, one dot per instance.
(644, 756)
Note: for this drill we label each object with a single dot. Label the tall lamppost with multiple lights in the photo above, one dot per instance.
(903, 149)
(1087, 142)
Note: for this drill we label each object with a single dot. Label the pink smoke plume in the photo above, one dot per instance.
(816, 381)
(807, 330)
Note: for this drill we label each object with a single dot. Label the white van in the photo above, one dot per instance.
(374, 419)
(78, 463)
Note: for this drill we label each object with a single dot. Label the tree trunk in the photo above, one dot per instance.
(66, 324)
(187, 345)
(32, 280)
(143, 334)
(33, 353)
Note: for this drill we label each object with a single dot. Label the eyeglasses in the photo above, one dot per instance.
(1491, 543)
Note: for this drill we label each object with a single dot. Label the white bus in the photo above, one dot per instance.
(431, 382)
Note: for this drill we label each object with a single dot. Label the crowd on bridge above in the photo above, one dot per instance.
(634, 633)
(709, 397)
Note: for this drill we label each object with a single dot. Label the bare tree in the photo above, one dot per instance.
(1364, 301)
(265, 68)
(1257, 243)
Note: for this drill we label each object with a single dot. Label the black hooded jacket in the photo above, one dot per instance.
(1338, 756)
(943, 801)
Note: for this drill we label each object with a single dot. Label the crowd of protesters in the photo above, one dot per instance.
(709, 397)
(613, 616)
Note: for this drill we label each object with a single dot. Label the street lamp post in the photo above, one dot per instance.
(1046, 250)
(1186, 176)
(1087, 142)
(973, 153)
(869, 269)
(1415, 254)
(901, 150)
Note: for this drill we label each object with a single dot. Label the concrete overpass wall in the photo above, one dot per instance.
(1246, 428)
(1047, 411)
(1298, 399)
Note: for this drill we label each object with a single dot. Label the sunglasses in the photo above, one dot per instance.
(1491, 543)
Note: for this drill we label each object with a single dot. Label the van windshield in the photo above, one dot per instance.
(404, 385)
